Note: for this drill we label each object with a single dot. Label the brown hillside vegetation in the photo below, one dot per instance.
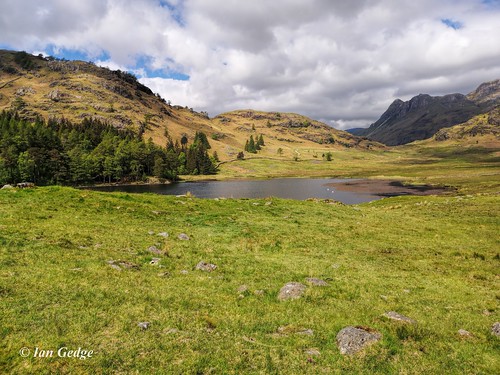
(37, 86)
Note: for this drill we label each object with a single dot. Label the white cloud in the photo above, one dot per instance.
(342, 62)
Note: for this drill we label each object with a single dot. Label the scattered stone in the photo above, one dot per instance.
(143, 325)
(495, 329)
(242, 288)
(465, 333)
(400, 318)
(171, 331)
(150, 232)
(259, 292)
(155, 261)
(184, 272)
(163, 234)
(351, 340)
(268, 203)
(118, 264)
(305, 332)
(25, 185)
(335, 265)
(487, 312)
(156, 212)
(256, 204)
(164, 274)
(292, 290)
(7, 187)
(384, 297)
(154, 250)
(312, 351)
(406, 290)
(183, 237)
(316, 282)
(207, 267)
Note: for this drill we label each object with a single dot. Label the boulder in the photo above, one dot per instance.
(291, 290)
(7, 187)
(143, 325)
(351, 340)
(154, 250)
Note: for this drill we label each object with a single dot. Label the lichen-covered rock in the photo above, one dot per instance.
(291, 290)
(351, 340)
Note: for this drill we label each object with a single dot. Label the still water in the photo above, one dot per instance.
(289, 188)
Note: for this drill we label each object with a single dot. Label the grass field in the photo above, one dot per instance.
(434, 259)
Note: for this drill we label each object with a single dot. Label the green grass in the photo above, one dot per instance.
(434, 259)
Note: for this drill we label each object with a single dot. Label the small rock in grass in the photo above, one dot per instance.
(7, 187)
(118, 264)
(184, 272)
(486, 312)
(242, 288)
(154, 250)
(316, 282)
(495, 329)
(400, 318)
(464, 333)
(163, 234)
(351, 340)
(164, 274)
(143, 325)
(183, 237)
(207, 267)
(268, 203)
(116, 267)
(151, 232)
(155, 261)
(258, 292)
(305, 332)
(383, 297)
(290, 291)
(312, 351)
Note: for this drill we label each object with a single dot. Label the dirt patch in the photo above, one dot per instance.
(386, 188)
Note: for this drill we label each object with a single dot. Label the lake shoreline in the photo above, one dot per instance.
(387, 188)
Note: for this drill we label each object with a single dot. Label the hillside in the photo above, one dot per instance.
(38, 86)
(424, 115)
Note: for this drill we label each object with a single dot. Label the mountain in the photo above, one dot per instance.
(39, 86)
(423, 115)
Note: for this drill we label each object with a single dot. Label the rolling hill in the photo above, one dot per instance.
(39, 86)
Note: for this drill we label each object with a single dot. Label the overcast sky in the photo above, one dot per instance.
(341, 62)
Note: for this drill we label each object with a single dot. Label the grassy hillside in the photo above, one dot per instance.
(35, 86)
(434, 259)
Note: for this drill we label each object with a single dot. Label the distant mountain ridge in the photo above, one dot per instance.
(424, 115)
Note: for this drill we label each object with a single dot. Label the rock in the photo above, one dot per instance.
(207, 267)
(155, 261)
(183, 237)
(164, 274)
(351, 340)
(312, 351)
(143, 325)
(464, 333)
(55, 95)
(290, 291)
(118, 264)
(486, 312)
(305, 332)
(151, 232)
(25, 185)
(7, 187)
(316, 282)
(184, 272)
(154, 250)
(163, 234)
(258, 292)
(242, 288)
(495, 329)
(383, 297)
(400, 318)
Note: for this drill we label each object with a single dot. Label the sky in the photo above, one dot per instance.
(341, 62)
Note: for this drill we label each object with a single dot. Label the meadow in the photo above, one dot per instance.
(76, 272)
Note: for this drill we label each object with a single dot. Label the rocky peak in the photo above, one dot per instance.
(486, 93)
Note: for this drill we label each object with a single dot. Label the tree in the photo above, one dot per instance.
(280, 151)
(251, 145)
(260, 140)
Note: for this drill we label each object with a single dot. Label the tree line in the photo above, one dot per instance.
(58, 151)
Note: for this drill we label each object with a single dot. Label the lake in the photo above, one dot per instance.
(289, 188)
